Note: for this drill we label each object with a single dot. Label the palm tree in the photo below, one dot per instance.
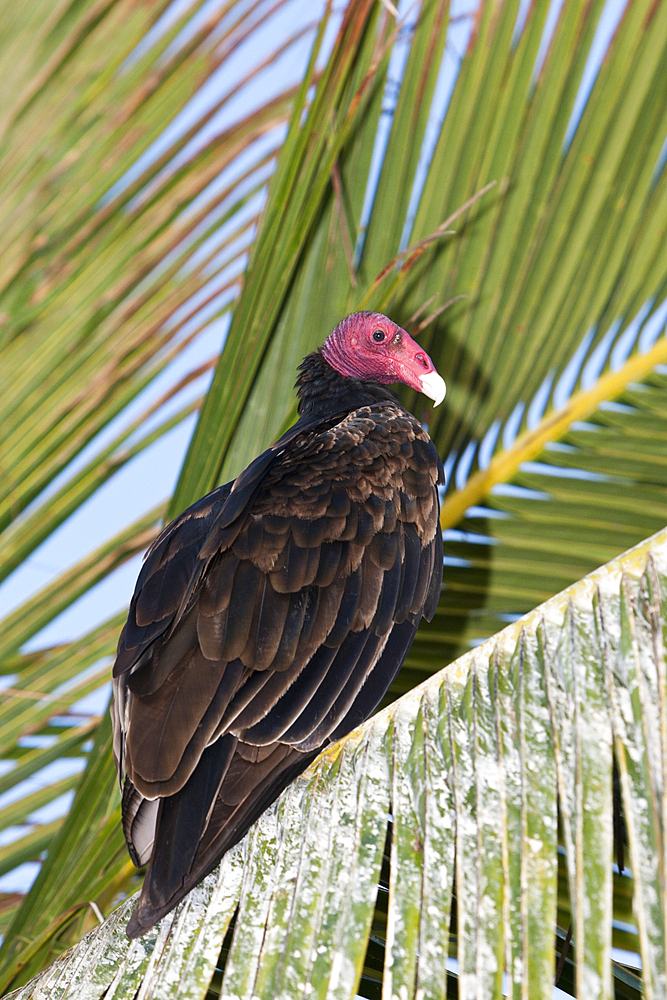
(525, 245)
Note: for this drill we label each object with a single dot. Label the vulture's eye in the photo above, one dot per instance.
(378, 336)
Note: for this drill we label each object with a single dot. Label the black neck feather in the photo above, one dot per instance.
(323, 391)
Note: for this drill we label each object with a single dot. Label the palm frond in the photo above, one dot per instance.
(475, 766)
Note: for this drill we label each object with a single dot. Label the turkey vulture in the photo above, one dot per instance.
(270, 618)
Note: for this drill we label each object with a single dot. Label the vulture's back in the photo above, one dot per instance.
(269, 619)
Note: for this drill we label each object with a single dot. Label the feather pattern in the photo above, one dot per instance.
(268, 619)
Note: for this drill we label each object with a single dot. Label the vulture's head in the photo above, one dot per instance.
(369, 346)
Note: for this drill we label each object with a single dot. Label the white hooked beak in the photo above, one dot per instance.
(433, 386)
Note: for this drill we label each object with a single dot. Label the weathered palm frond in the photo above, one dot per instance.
(487, 776)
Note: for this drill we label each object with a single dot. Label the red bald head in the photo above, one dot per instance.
(369, 346)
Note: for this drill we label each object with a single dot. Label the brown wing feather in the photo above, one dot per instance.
(267, 628)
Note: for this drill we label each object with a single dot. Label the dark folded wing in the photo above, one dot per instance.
(173, 563)
(165, 575)
(299, 619)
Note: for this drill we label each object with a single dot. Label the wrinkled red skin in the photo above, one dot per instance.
(355, 349)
